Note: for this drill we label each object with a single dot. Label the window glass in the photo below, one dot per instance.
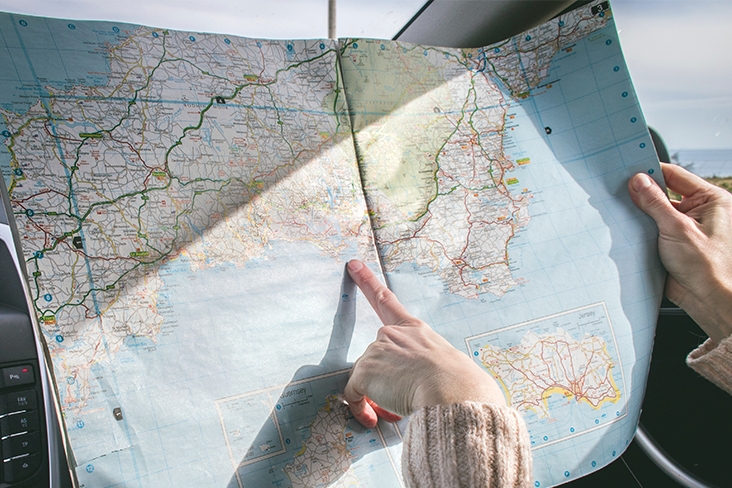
(679, 59)
(273, 19)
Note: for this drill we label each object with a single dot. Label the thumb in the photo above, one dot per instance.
(359, 405)
(650, 198)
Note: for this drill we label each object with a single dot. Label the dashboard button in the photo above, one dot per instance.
(21, 444)
(21, 468)
(18, 375)
(20, 400)
(18, 422)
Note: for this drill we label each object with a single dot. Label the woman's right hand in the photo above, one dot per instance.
(695, 244)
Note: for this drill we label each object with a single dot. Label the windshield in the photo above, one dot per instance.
(677, 53)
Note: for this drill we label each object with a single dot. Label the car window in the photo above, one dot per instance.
(677, 53)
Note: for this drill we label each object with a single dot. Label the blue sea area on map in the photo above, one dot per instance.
(233, 306)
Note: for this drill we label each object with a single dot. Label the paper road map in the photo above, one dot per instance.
(187, 202)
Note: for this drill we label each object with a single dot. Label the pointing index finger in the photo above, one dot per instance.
(382, 300)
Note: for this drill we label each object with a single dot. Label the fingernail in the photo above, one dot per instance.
(354, 265)
(641, 182)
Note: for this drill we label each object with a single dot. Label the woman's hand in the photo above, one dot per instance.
(695, 244)
(409, 366)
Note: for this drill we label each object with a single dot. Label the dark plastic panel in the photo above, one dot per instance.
(19, 354)
(16, 336)
(11, 288)
(3, 215)
(477, 23)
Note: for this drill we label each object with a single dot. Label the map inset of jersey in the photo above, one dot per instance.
(562, 372)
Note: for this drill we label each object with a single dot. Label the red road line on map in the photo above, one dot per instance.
(47, 190)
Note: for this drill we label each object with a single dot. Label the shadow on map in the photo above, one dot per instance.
(302, 467)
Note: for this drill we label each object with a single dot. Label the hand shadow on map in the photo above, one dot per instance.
(310, 436)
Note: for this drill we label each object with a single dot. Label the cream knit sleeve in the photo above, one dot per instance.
(466, 445)
(714, 362)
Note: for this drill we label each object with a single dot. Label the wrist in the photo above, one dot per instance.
(471, 384)
(711, 306)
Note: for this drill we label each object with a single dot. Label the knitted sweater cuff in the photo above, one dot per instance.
(714, 362)
(470, 445)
